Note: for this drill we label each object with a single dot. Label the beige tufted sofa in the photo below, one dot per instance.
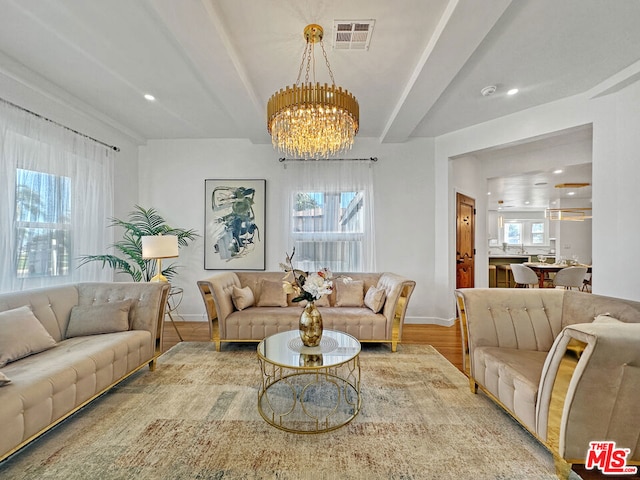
(47, 387)
(564, 364)
(228, 324)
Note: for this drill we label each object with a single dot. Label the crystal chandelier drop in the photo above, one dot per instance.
(310, 120)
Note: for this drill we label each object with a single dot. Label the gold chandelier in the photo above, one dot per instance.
(310, 120)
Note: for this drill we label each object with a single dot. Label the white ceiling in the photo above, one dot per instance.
(540, 190)
(212, 65)
(531, 170)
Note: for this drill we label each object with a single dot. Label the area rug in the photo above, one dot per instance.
(195, 417)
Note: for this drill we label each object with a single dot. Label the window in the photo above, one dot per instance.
(329, 211)
(56, 199)
(525, 231)
(43, 214)
(327, 230)
(537, 233)
(513, 233)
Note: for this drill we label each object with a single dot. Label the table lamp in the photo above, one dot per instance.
(158, 247)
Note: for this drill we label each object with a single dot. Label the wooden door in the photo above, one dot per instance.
(465, 240)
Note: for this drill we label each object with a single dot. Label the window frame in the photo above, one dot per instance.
(535, 234)
(526, 231)
(520, 226)
(346, 244)
(54, 265)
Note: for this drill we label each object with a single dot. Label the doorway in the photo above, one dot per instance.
(465, 241)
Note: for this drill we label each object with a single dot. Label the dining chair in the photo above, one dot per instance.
(570, 277)
(523, 276)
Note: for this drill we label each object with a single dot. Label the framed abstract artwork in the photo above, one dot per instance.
(234, 224)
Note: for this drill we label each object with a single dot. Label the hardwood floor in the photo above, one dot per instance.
(444, 339)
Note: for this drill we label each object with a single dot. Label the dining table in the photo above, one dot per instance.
(542, 269)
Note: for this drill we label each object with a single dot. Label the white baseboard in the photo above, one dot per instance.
(445, 322)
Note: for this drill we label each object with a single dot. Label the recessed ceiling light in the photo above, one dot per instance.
(527, 202)
(488, 91)
(571, 193)
(558, 171)
(149, 97)
(513, 91)
(488, 193)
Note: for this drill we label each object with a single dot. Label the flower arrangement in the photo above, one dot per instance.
(306, 286)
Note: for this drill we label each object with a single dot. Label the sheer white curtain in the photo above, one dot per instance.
(330, 214)
(56, 196)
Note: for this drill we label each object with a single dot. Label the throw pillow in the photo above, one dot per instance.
(99, 318)
(272, 294)
(21, 334)
(4, 379)
(350, 294)
(374, 299)
(605, 318)
(322, 302)
(242, 297)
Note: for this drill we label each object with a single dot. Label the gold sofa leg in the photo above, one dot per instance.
(215, 334)
(395, 333)
(563, 469)
(212, 315)
(473, 385)
(398, 316)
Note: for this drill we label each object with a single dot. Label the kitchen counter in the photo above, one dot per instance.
(500, 262)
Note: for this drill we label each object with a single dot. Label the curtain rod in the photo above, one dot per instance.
(370, 159)
(111, 147)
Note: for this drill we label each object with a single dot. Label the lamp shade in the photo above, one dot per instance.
(159, 246)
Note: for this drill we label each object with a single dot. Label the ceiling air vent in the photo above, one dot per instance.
(352, 34)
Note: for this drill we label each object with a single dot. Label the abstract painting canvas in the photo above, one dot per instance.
(234, 224)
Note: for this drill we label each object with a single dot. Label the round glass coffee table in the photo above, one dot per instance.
(309, 389)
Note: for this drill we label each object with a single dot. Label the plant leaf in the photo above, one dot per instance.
(141, 222)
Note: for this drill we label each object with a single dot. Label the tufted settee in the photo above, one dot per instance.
(264, 317)
(61, 347)
(564, 364)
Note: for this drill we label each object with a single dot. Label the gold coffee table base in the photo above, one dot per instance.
(309, 392)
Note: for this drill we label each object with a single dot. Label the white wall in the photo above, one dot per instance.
(542, 120)
(616, 165)
(172, 174)
(468, 178)
(415, 194)
(470, 173)
(575, 238)
(616, 168)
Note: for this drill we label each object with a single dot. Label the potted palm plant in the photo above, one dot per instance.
(141, 222)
